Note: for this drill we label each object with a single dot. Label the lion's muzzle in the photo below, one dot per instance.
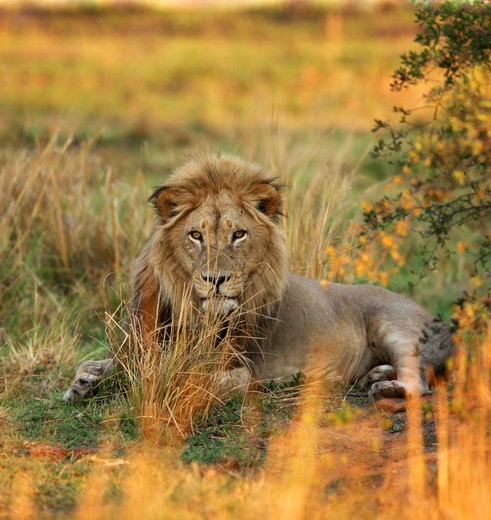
(218, 291)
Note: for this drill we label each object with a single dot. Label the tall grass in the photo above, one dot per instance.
(318, 209)
(173, 383)
(64, 202)
(68, 230)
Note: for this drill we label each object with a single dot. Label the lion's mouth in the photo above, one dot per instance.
(219, 305)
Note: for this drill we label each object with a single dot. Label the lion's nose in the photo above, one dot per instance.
(216, 279)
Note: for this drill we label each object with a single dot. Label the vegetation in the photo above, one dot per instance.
(443, 190)
(437, 203)
(95, 105)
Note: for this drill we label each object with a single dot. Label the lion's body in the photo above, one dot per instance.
(219, 247)
(343, 331)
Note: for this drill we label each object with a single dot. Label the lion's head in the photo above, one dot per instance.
(218, 239)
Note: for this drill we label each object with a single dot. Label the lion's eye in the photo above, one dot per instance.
(195, 235)
(240, 234)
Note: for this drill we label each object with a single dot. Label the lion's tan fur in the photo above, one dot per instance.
(285, 323)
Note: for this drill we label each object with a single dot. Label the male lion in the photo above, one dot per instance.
(219, 241)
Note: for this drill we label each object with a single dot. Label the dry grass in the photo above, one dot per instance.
(67, 229)
(67, 192)
(173, 385)
(317, 213)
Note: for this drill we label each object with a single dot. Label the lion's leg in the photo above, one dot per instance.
(404, 356)
(89, 374)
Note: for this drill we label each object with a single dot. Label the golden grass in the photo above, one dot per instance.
(65, 191)
(63, 225)
(141, 72)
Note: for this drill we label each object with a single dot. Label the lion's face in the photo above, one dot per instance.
(220, 234)
(219, 246)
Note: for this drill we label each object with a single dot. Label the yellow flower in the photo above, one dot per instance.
(383, 278)
(387, 240)
(468, 310)
(459, 177)
(366, 206)
(476, 281)
(401, 227)
(461, 246)
(396, 256)
(407, 200)
(398, 180)
(414, 157)
(331, 251)
(386, 204)
(360, 268)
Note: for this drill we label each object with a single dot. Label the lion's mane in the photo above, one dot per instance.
(157, 276)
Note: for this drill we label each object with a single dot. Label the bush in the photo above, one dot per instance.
(442, 189)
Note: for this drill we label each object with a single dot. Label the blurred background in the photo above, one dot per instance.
(147, 81)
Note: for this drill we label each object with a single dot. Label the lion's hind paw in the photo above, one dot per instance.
(386, 389)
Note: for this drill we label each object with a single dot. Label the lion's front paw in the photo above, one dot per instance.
(89, 374)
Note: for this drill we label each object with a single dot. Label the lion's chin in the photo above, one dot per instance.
(219, 306)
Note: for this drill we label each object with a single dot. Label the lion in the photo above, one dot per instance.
(219, 242)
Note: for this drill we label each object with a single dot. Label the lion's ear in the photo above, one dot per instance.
(165, 201)
(266, 199)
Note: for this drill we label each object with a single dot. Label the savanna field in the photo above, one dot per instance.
(98, 105)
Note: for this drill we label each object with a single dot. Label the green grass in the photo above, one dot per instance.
(236, 434)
